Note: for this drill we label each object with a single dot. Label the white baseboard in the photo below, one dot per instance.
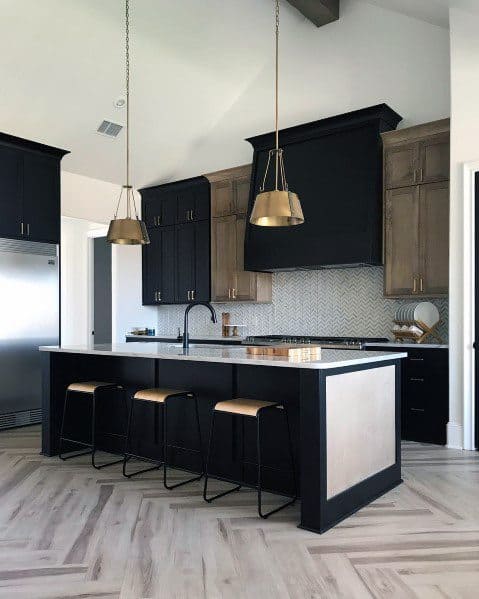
(455, 435)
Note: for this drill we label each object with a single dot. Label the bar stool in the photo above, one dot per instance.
(93, 390)
(161, 397)
(249, 408)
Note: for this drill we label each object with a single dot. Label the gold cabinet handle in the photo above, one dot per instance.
(415, 176)
(156, 296)
(421, 284)
(193, 294)
(21, 228)
(28, 229)
(191, 213)
(233, 293)
(414, 285)
(421, 175)
(189, 294)
(159, 296)
(229, 293)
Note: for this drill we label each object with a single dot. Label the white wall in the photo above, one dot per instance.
(74, 280)
(464, 148)
(87, 198)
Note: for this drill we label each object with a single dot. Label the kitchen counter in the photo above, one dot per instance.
(395, 345)
(344, 414)
(330, 358)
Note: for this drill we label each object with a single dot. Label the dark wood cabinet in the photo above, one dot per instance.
(176, 263)
(425, 393)
(29, 190)
(416, 211)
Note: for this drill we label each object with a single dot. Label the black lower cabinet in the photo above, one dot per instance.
(425, 393)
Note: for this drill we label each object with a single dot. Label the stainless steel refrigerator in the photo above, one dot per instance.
(29, 317)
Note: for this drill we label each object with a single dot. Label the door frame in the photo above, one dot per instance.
(91, 235)
(469, 303)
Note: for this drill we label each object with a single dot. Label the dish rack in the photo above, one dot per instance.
(421, 336)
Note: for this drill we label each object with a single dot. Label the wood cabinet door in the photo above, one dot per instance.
(223, 257)
(401, 220)
(244, 288)
(434, 238)
(41, 197)
(185, 262)
(202, 286)
(434, 159)
(11, 192)
(241, 187)
(222, 198)
(400, 165)
(150, 268)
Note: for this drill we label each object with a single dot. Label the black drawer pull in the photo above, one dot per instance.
(415, 380)
(416, 359)
(417, 410)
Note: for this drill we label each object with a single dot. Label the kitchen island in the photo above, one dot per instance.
(344, 411)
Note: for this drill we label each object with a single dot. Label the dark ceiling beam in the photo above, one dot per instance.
(320, 12)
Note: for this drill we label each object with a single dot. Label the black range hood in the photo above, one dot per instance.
(335, 166)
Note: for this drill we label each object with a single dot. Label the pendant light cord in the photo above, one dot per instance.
(276, 118)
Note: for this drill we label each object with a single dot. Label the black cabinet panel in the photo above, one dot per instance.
(158, 207)
(11, 193)
(168, 262)
(176, 265)
(193, 203)
(425, 398)
(185, 255)
(335, 166)
(41, 198)
(29, 190)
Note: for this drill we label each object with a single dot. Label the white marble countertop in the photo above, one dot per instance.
(408, 345)
(330, 358)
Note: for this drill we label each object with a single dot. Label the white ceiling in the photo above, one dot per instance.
(61, 68)
(431, 11)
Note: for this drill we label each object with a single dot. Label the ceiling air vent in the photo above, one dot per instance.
(109, 129)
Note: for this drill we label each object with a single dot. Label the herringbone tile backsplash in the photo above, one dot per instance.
(339, 302)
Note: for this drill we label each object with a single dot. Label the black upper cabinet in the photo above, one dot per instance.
(176, 264)
(159, 207)
(335, 166)
(29, 190)
(41, 197)
(11, 193)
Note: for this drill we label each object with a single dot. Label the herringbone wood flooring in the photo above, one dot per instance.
(67, 530)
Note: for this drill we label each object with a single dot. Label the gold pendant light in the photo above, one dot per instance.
(129, 230)
(280, 207)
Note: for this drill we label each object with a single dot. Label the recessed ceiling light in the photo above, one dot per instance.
(120, 102)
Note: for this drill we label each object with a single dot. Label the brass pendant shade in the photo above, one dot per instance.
(129, 230)
(279, 207)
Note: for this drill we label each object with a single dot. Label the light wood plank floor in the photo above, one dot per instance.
(67, 530)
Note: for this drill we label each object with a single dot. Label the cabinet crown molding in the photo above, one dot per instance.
(230, 173)
(416, 133)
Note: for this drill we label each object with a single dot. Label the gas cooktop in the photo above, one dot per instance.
(326, 342)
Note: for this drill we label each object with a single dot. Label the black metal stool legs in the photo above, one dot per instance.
(260, 468)
(207, 475)
(75, 454)
(166, 445)
(259, 464)
(127, 455)
(93, 433)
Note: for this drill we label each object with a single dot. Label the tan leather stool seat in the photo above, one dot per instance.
(243, 407)
(159, 395)
(88, 386)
